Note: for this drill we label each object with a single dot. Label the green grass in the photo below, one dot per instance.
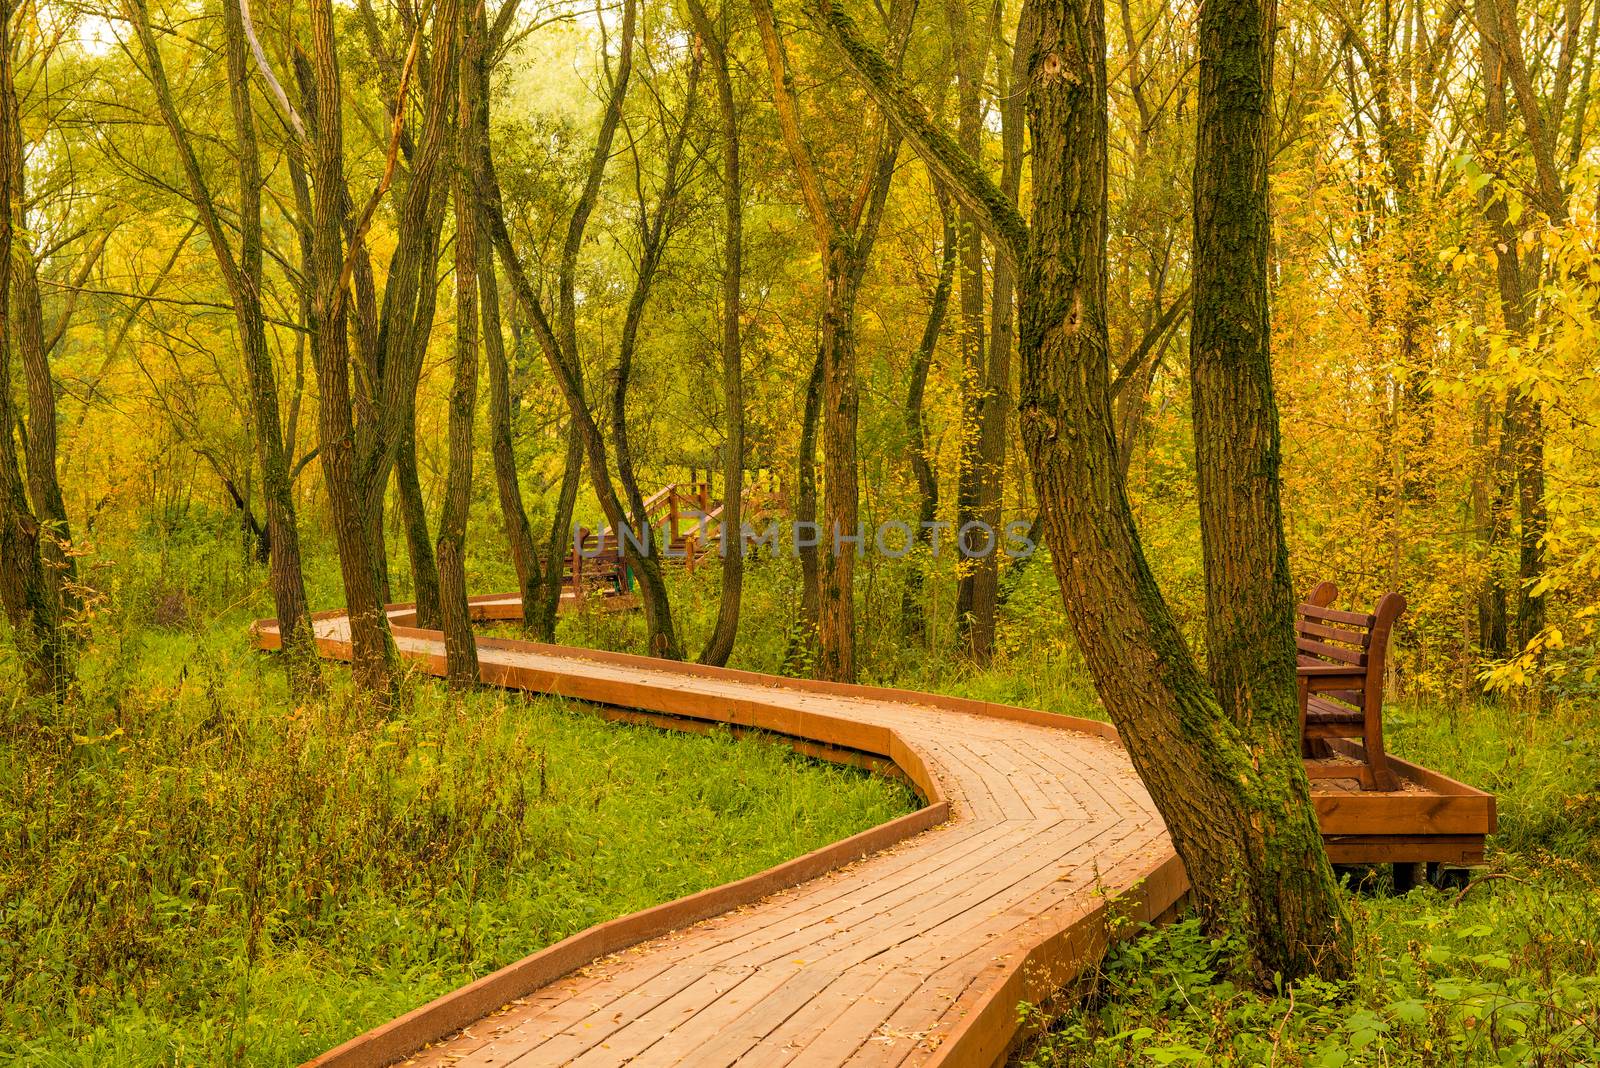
(193, 871)
(1505, 972)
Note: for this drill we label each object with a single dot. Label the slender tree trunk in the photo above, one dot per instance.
(372, 649)
(425, 577)
(1521, 458)
(502, 449)
(408, 484)
(836, 616)
(802, 642)
(558, 341)
(720, 645)
(911, 609)
(997, 395)
(44, 485)
(845, 235)
(560, 541)
(243, 279)
(975, 581)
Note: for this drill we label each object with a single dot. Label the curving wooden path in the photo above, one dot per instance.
(911, 944)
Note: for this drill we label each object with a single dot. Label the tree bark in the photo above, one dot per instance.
(372, 648)
(911, 609)
(802, 645)
(720, 645)
(502, 448)
(460, 647)
(1236, 803)
(39, 441)
(24, 586)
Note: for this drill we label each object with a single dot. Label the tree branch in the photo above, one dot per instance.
(961, 174)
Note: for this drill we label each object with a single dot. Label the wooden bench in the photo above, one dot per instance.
(1342, 656)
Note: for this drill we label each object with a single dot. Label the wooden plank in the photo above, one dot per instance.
(1378, 812)
(1336, 615)
(1332, 652)
(1338, 634)
(940, 936)
(1465, 849)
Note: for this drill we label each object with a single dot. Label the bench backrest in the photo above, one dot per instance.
(1329, 635)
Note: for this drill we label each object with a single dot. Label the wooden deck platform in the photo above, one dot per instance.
(910, 944)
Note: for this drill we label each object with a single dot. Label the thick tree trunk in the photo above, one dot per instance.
(1249, 594)
(24, 586)
(1236, 803)
(372, 649)
(460, 647)
(720, 645)
(1227, 778)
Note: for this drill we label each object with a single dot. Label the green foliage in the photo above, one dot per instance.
(1506, 973)
(193, 870)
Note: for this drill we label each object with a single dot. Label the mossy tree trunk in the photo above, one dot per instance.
(24, 587)
(1234, 797)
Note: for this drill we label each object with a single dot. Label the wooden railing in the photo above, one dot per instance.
(685, 524)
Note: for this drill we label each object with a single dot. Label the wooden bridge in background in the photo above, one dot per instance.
(911, 943)
(685, 526)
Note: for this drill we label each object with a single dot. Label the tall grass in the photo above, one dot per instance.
(193, 870)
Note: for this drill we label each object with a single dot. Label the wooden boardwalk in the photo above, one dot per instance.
(995, 892)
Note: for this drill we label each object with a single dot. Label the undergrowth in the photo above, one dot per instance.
(194, 870)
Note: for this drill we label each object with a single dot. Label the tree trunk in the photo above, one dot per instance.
(720, 645)
(560, 541)
(836, 615)
(508, 486)
(845, 234)
(243, 279)
(911, 609)
(372, 649)
(425, 578)
(975, 584)
(460, 647)
(803, 640)
(24, 586)
(44, 485)
(1236, 803)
